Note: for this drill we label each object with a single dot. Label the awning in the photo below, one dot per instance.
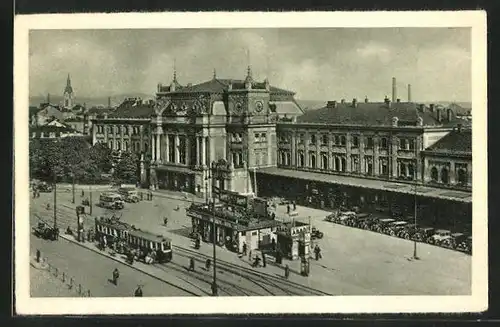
(374, 184)
(176, 169)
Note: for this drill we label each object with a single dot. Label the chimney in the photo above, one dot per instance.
(366, 99)
(394, 89)
(438, 114)
(342, 101)
(109, 102)
(431, 107)
(354, 102)
(331, 104)
(409, 92)
(448, 114)
(387, 102)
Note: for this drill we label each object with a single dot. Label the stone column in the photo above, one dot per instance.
(376, 164)
(121, 138)
(141, 134)
(452, 172)
(203, 151)
(167, 148)
(198, 149)
(187, 152)
(94, 132)
(306, 149)
(159, 132)
(348, 141)
(293, 145)
(393, 157)
(176, 150)
(153, 148)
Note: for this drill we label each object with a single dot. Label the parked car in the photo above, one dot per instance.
(129, 194)
(316, 234)
(465, 245)
(380, 226)
(368, 222)
(44, 231)
(440, 236)
(345, 217)
(359, 218)
(423, 234)
(44, 187)
(394, 228)
(454, 240)
(406, 232)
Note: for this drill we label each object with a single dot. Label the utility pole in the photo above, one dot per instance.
(415, 256)
(73, 188)
(214, 240)
(90, 201)
(55, 200)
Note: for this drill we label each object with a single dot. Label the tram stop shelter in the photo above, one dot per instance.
(294, 239)
(234, 226)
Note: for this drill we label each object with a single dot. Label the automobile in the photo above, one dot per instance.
(345, 217)
(440, 236)
(44, 231)
(360, 217)
(422, 234)
(394, 228)
(111, 201)
(44, 187)
(382, 224)
(454, 240)
(465, 245)
(129, 194)
(316, 234)
(332, 217)
(406, 232)
(367, 222)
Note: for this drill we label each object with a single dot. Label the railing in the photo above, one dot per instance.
(68, 280)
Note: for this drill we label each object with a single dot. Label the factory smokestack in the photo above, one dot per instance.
(409, 92)
(394, 90)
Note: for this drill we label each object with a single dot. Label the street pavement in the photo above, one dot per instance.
(45, 284)
(94, 272)
(355, 262)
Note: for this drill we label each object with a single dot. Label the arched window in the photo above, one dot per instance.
(145, 147)
(434, 174)
(282, 158)
(324, 161)
(444, 176)
(342, 164)
(462, 177)
(287, 158)
(313, 161)
(126, 145)
(337, 164)
(301, 159)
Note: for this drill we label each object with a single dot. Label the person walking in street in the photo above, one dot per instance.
(294, 205)
(138, 291)
(317, 252)
(165, 221)
(116, 275)
(244, 248)
(208, 263)
(264, 260)
(191, 264)
(287, 271)
(83, 193)
(288, 208)
(250, 255)
(150, 195)
(38, 256)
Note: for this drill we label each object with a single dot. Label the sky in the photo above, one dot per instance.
(318, 64)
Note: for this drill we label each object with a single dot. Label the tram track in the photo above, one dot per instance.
(270, 279)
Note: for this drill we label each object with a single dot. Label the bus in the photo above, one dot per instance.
(111, 201)
(129, 194)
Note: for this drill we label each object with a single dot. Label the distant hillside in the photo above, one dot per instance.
(311, 104)
(89, 101)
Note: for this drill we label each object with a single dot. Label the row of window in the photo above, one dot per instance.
(125, 145)
(136, 130)
(443, 176)
(341, 140)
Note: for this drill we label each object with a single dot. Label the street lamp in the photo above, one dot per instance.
(214, 233)
(55, 200)
(73, 187)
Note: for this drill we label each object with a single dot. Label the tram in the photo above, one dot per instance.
(133, 242)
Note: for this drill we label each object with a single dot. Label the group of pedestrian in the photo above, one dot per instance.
(36, 193)
(149, 196)
(317, 252)
(289, 209)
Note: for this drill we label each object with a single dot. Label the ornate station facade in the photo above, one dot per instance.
(378, 156)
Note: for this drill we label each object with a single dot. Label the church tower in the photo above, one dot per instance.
(68, 94)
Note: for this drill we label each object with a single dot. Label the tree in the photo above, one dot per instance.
(126, 168)
(100, 154)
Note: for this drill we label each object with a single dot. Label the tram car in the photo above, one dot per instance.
(133, 242)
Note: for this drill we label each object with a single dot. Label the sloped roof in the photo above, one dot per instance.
(454, 142)
(375, 114)
(219, 85)
(133, 109)
(460, 110)
(96, 110)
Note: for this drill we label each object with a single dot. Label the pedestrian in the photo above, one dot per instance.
(208, 263)
(273, 215)
(250, 255)
(104, 242)
(165, 221)
(264, 260)
(278, 257)
(34, 194)
(83, 193)
(287, 271)
(288, 209)
(191, 264)
(151, 196)
(138, 291)
(38, 256)
(273, 244)
(317, 252)
(294, 205)
(116, 275)
(244, 248)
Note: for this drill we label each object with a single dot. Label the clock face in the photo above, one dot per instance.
(259, 106)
